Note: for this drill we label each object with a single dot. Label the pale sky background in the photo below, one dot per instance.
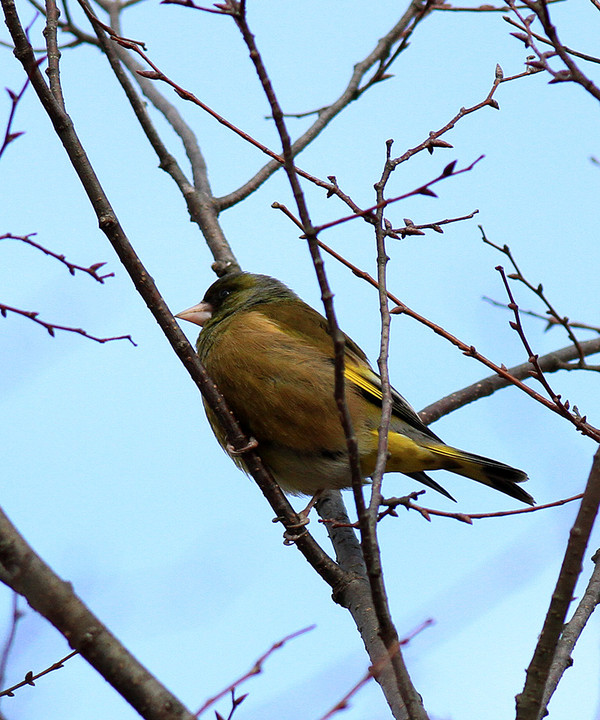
(109, 467)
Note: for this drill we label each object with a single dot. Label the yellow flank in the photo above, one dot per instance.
(405, 455)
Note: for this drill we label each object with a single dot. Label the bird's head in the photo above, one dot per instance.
(235, 292)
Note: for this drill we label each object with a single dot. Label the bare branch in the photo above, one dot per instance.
(52, 327)
(15, 98)
(572, 72)
(410, 698)
(396, 38)
(92, 270)
(486, 8)
(447, 172)
(256, 669)
(16, 616)
(401, 308)
(55, 600)
(548, 319)
(571, 634)
(408, 501)
(30, 678)
(542, 39)
(135, 689)
(53, 53)
(198, 197)
(529, 702)
(536, 289)
(552, 362)
(411, 229)
(562, 408)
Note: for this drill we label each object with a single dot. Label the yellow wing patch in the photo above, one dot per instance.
(362, 382)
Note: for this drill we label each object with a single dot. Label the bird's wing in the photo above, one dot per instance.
(369, 384)
(301, 320)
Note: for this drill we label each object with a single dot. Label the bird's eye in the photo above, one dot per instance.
(224, 293)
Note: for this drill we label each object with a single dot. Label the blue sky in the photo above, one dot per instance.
(111, 471)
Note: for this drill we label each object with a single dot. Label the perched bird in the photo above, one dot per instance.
(271, 356)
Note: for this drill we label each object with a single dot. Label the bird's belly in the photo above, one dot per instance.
(304, 473)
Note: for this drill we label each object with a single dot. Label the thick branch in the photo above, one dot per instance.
(552, 362)
(26, 573)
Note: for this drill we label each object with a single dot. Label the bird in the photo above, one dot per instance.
(271, 356)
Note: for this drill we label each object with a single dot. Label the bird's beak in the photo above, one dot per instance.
(198, 314)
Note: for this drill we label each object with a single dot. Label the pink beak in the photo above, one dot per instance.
(198, 314)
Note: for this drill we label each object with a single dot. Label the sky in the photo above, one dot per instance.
(109, 467)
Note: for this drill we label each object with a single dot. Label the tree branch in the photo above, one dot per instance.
(26, 573)
(529, 702)
(571, 634)
(415, 13)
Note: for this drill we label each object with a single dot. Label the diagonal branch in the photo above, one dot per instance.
(552, 362)
(27, 574)
(198, 197)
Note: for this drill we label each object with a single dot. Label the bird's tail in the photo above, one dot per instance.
(492, 473)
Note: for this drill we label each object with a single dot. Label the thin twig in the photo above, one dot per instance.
(92, 270)
(30, 678)
(408, 501)
(385, 49)
(542, 39)
(504, 374)
(256, 669)
(562, 408)
(537, 289)
(485, 8)
(52, 327)
(552, 362)
(468, 518)
(15, 98)
(411, 229)
(447, 172)
(572, 72)
(16, 615)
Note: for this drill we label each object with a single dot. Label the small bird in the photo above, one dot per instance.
(271, 356)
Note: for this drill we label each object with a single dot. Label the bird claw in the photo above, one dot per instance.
(251, 445)
(289, 538)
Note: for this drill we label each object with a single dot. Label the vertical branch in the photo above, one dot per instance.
(529, 702)
(386, 400)
(571, 633)
(410, 697)
(238, 13)
(50, 33)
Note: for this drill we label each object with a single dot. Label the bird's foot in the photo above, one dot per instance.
(251, 445)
